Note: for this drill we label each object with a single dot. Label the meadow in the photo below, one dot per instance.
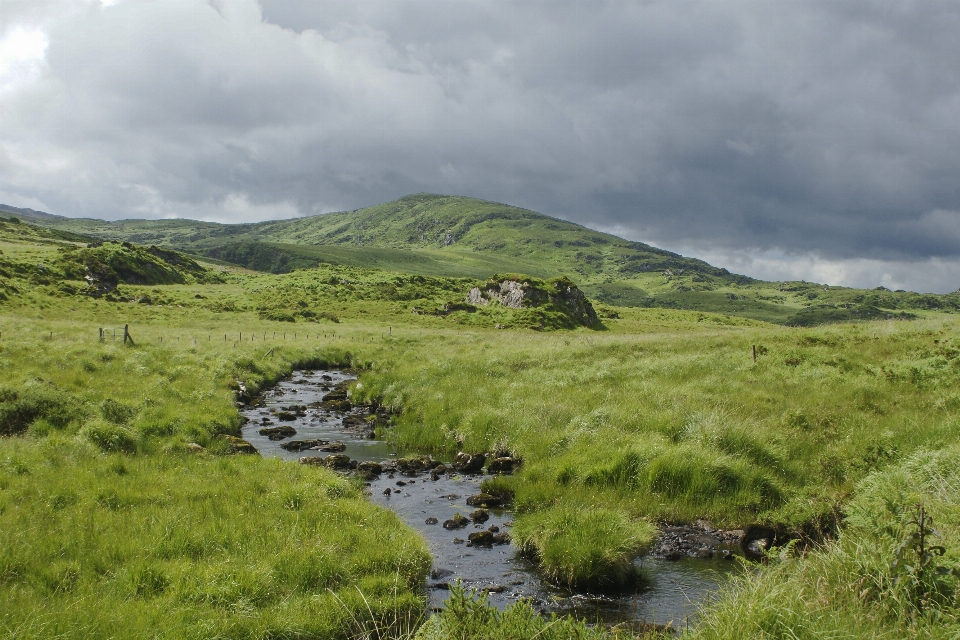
(124, 512)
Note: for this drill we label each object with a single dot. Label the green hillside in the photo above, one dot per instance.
(435, 235)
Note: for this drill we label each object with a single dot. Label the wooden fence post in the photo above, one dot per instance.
(101, 334)
(754, 353)
(126, 335)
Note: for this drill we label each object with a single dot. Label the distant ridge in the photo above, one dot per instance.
(30, 213)
(441, 235)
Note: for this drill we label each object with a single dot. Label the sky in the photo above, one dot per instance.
(783, 140)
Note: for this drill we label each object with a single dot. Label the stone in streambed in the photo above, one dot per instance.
(501, 538)
(480, 516)
(337, 462)
(485, 500)
(370, 467)
(503, 465)
(469, 462)
(456, 522)
(331, 447)
(430, 521)
(278, 433)
(301, 445)
(481, 539)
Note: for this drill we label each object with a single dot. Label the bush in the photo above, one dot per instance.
(19, 408)
(110, 437)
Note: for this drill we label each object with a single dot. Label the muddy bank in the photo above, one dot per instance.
(310, 419)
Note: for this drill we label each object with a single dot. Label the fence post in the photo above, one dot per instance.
(754, 353)
(126, 335)
(101, 334)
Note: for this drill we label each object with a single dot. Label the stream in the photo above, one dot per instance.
(668, 592)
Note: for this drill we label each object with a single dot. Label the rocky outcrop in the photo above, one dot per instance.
(509, 293)
(516, 293)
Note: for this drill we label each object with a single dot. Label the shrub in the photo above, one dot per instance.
(110, 437)
(19, 408)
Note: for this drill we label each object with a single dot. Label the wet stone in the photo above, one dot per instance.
(456, 522)
(484, 499)
(301, 445)
(480, 516)
(469, 462)
(278, 433)
(431, 521)
(481, 539)
(331, 447)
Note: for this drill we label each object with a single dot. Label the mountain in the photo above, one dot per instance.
(29, 213)
(429, 234)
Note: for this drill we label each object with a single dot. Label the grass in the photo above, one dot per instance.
(186, 545)
(848, 589)
(660, 415)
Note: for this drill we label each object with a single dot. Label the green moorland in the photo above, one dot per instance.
(125, 513)
(435, 235)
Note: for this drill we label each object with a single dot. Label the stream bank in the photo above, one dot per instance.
(309, 418)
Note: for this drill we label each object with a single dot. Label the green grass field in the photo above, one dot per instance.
(117, 524)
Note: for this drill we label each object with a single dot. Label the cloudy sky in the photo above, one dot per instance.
(788, 139)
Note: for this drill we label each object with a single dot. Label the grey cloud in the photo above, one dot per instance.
(805, 128)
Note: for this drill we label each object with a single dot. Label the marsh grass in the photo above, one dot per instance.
(848, 588)
(99, 545)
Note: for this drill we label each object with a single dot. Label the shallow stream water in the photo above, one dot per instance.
(667, 594)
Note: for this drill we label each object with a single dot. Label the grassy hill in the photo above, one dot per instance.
(435, 235)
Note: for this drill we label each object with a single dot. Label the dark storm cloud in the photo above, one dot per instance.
(734, 129)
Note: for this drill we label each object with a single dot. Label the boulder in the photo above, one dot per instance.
(338, 461)
(456, 522)
(431, 520)
(484, 500)
(301, 445)
(370, 467)
(415, 465)
(331, 447)
(239, 445)
(501, 538)
(286, 416)
(480, 516)
(756, 540)
(501, 465)
(469, 463)
(481, 538)
(278, 433)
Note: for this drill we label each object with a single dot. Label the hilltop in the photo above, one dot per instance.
(438, 235)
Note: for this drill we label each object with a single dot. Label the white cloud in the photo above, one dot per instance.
(21, 57)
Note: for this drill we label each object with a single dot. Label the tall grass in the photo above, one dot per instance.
(187, 545)
(848, 588)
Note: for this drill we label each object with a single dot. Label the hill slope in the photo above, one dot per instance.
(440, 235)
